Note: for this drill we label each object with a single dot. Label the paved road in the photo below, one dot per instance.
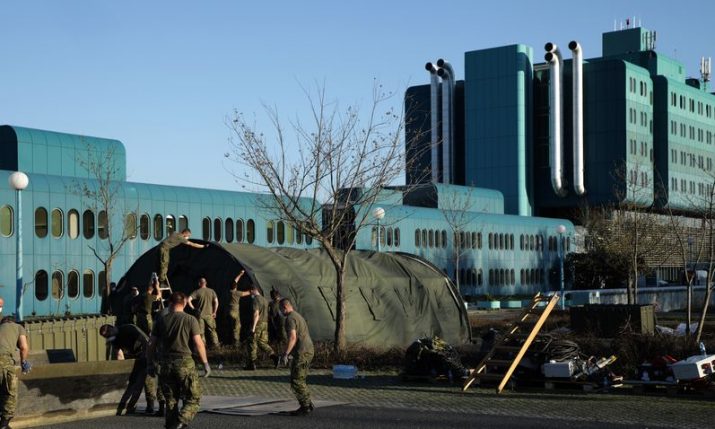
(383, 400)
(348, 417)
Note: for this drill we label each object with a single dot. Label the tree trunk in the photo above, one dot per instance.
(629, 290)
(339, 346)
(689, 306)
(104, 305)
(704, 311)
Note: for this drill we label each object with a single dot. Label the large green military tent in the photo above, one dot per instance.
(392, 298)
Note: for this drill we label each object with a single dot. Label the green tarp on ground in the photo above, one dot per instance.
(392, 298)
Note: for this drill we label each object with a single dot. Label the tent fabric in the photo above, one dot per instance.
(391, 298)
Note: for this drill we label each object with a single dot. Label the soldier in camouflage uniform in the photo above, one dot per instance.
(173, 333)
(175, 239)
(12, 336)
(300, 350)
(128, 341)
(276, 331)
(259, 330)
(234, 315)
(145, 305)
(204, 302)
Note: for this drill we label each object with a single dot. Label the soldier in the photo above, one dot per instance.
(145, 304)
(204, 302)
(275, 320)
(175, 239)
(128, 303)
(234, 316)
(12, 336)
(174, 333)
(300, 350)
(258, 336)
(129, 341)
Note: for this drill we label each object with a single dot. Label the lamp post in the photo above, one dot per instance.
(560, 230)
(18, 181)
(378, 214)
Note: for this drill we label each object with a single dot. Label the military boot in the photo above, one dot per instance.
(304, 410)
(5, 423)
(149, 407)
(162, 409)
(250, 366)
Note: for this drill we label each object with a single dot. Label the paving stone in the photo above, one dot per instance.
(387, 390)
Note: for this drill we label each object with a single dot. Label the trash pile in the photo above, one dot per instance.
(433, 357)
(563, 360)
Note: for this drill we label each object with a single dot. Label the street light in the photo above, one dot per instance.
(18, 181)
(561, 229)
(378, 214)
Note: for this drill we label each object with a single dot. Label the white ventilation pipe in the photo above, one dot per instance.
(446, 72)
(434, 120)
(553, 57)
(577, 78)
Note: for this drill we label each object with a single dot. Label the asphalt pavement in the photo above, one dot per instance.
(349, 417)
(383, 399)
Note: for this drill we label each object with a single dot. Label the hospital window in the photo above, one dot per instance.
(41, 290)
(7, 221)
(57, 223)
(73, 284)
(88, 224)
(88, 283)
(217, 229)
(103, 225)
(251, 231)
(144, 227)
(41, 222)
(73, 224)
(57, 285)
(158, 227)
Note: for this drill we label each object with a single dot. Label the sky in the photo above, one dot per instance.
(164, 76)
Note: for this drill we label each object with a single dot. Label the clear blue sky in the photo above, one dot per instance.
(161, 76)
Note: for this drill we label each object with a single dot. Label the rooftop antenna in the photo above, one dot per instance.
(705, 69)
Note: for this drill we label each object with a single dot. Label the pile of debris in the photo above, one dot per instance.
(432, 357)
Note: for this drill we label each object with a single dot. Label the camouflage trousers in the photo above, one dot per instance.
(163, 263)
(234, 325)
(180, 380)
(138, 380)
(298, 374)
(207, 326)
(8, 387)
(144, 322)
(259, 340)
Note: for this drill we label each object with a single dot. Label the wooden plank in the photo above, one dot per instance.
(537, 327)
(526, 314)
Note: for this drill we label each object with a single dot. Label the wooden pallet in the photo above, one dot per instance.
(501, 362)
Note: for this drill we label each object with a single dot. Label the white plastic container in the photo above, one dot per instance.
(694, 367)
(344, 372)
(559, 369)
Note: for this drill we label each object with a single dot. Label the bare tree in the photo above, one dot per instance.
(101, 194)
(707, 215)
(459, 211)
(341, 158)
(682, 239)
(696, 244)
(628, 231)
